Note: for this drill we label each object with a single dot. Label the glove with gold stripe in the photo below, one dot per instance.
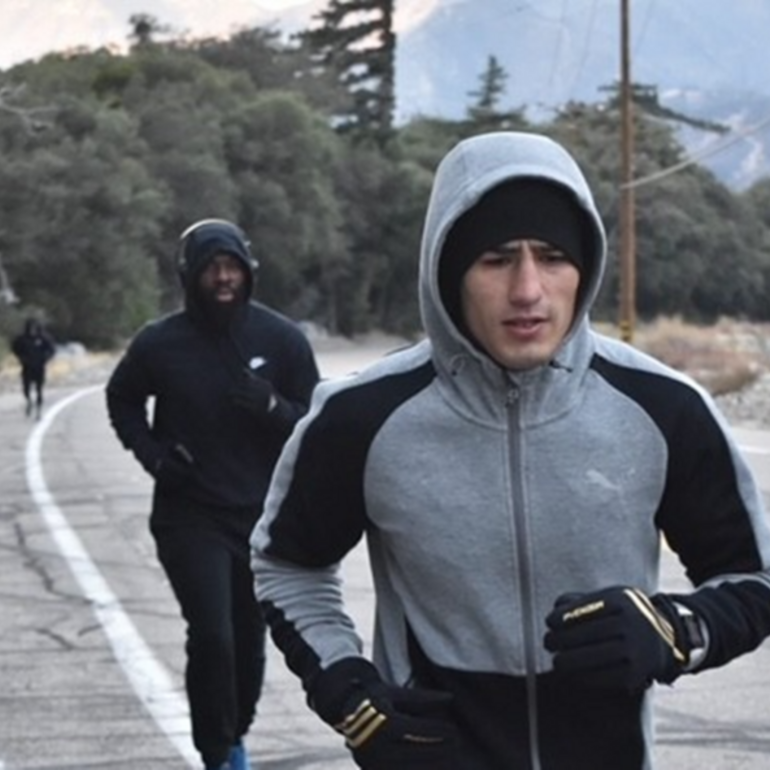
(386, 727)
(618, 638)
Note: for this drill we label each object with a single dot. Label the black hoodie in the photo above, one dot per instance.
(189, 365)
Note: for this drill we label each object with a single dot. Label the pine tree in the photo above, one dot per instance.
(485, 111)
(356, 42)
(491, 90)
(145, 28)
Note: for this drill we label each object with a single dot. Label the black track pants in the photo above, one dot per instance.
(225, 646)
(33, 379)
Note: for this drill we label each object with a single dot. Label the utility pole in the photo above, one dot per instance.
(627, 218)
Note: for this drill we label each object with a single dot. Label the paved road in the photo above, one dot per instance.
(91, 641)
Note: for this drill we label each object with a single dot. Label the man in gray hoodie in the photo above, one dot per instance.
(513, 474)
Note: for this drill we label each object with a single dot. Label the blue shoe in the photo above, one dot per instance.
(239, 759)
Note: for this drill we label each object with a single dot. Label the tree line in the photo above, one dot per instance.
(107, 156)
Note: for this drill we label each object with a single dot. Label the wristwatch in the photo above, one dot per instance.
(696, 635)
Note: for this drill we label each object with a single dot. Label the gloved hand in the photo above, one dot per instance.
(618, 638)
(253, 393)
(388, 727)
(174, 468)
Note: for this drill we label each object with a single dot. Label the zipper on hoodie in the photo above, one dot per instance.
(521, 530)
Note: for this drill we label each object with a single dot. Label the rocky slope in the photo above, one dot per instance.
(750, 407)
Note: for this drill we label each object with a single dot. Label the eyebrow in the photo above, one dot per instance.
(515, 245)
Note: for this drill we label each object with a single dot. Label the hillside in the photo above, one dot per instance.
(706, 57)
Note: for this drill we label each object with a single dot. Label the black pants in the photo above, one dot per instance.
(33, 377)
(213, 582)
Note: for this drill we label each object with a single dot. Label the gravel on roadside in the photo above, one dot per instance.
(750, 407)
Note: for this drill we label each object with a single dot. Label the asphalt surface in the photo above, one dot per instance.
(91, 641)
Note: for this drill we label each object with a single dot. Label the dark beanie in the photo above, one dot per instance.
(515, 210)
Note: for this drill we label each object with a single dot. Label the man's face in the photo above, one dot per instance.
(518, 302)
(223, 281)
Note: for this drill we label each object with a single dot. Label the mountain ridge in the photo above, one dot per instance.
(698, 53)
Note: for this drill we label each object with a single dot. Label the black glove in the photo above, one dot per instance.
(618, 638)
(253, 393)
(387, 727)
(174, 468)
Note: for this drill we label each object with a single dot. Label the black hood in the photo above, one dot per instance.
(200, 242)
(198, 245)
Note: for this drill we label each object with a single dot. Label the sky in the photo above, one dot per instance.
(277, 5)
(31, 28)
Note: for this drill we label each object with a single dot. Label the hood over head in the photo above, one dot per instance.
(32, 327)
(201, 241)
(198, 245)
(497, 187)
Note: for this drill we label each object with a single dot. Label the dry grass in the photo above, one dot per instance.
(724, 358)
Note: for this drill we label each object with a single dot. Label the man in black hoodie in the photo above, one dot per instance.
(34, 348)
(229, 378)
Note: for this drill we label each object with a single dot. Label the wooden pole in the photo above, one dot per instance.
(627, 219)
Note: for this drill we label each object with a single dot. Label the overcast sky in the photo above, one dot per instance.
(31, 28)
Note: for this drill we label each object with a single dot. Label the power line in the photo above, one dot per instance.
(560, 25)
(714, 149)
(643, 27)
(586, 46)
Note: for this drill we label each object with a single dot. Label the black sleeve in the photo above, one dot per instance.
(297, 380)
(713, 519)
(127, 393)
(50, 347)
(711, 512)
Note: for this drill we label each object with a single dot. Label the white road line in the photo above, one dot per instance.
(149, 678)
(755, 450)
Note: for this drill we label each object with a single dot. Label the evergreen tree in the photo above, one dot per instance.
(132, 147)
(485, 113)
(491, 90)
(356, 42)
(145, 28)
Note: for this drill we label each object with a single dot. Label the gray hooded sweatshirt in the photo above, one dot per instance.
(485, 494)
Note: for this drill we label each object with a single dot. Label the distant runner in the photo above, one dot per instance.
(34, 348)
